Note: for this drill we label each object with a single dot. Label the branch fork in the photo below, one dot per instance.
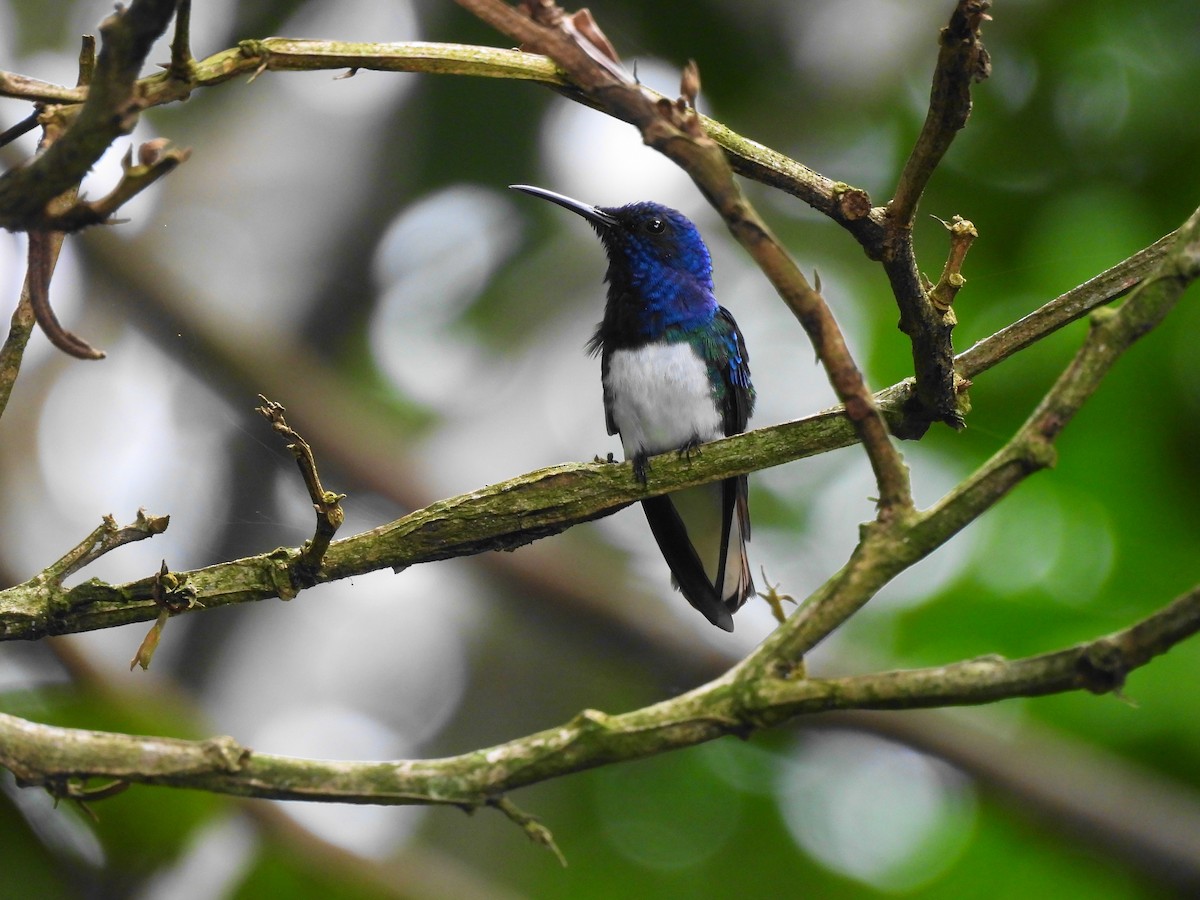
(106, 537)
(42, 603)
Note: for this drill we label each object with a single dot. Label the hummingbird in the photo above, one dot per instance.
(676, 374)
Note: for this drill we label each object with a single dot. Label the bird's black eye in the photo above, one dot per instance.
(654, 226)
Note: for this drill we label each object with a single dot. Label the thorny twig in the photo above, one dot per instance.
(326, 504)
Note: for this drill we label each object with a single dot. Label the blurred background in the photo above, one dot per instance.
(348, 248)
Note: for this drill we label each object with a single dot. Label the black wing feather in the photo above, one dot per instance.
(672, 538)
(737, 407)
(734, 364)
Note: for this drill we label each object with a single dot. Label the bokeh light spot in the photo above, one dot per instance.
(875, 811)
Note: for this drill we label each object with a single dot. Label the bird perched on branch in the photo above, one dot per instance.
(676, 374)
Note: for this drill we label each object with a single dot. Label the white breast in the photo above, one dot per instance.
(660, 398)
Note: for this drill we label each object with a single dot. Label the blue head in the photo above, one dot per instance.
(659, 271)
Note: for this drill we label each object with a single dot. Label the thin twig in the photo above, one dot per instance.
(25, 126)
(13, 351)
(326, 504)
(962, 61)
(534, 830)
(87, 60)
(152, 165)
(105, 538)
(22, 87)
(182, 60)
(1064, 309)
(942, 294)
(43, 251)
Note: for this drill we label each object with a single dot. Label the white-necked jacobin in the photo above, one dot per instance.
(676, 374)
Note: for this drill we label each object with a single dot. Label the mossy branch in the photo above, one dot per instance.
(46, 754)
(501, 516)
(846, 205)
(546, 501)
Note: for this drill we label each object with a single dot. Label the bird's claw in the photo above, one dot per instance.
(641, 467)
(691, 448)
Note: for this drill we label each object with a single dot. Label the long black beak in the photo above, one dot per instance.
(591, 213)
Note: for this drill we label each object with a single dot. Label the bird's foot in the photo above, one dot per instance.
(641, 467)
(691, 448)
